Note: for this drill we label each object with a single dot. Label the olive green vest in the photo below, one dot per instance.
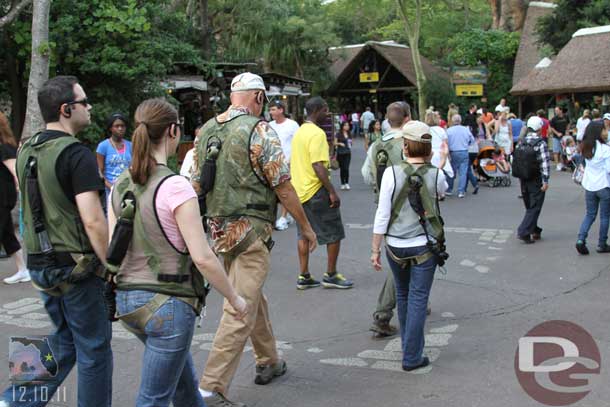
(404, 221)
(152, 263)
(386, 154)
(61, 217)
(238, 190)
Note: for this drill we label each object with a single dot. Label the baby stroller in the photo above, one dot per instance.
(491, 164)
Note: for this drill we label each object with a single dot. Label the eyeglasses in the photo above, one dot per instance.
(84, 102)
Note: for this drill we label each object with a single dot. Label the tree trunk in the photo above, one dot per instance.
(16, 8)
(505, 21)
(39, 66)
(518, 12)
(413, 32)
(495, 13)
(18, 97)
(420, 76)
(206, 30)
(466, 12)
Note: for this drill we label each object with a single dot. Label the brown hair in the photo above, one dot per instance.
(6, 134)
(152, 118)
(417, 149)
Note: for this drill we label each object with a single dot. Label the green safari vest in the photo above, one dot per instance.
(61, 217)
(385, 153)
(404, 221)
(238, 190)
(152, 263)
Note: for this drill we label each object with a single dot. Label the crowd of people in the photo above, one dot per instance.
(145, 253)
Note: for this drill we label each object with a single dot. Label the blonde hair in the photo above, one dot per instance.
(432, 118)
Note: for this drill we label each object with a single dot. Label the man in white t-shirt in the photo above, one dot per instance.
(355, 124)
(285, 129)
(502, 107)
(366, 119)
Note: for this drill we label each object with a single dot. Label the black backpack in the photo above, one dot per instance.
(525, 160)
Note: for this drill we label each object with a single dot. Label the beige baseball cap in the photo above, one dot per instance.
(414, 130)
(247, 81)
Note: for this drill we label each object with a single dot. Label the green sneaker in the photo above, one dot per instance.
(303, 283)
(218, 400)
(336, 281)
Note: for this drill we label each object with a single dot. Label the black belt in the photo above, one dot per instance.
(54, 259)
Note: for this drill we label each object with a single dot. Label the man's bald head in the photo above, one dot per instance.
(398, 113)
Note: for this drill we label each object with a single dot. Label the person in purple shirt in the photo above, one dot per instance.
(459, 139)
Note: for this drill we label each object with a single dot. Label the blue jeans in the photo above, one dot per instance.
(413, 287)
(168, 373)
(594, 200)
(459, 163)
(82, 336)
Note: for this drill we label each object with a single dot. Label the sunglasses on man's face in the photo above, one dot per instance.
(84, 102)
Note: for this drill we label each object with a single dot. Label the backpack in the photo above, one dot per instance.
(525, 161)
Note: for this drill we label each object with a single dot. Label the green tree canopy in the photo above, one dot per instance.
(495, 49)
(556, 29)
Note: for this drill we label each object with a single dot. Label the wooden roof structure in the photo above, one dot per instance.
(393, 61)
(582, 66)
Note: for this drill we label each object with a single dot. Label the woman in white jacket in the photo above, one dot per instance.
(596, 183)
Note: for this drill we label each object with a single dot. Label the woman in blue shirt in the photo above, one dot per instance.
(114, 153)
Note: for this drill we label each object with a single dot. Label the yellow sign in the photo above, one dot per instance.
(469, 90)
(369, 77)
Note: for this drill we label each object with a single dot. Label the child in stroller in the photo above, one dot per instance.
(492, 165)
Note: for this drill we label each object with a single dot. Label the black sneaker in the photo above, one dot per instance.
(581, 247)
(266, 373)
(336, 281)
(424, 362)
(303, 283)
(603, 249)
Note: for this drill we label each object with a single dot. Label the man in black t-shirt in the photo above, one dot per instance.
(76, 308)
(559, 127)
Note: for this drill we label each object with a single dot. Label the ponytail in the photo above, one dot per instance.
(142, 161)
(152, 118)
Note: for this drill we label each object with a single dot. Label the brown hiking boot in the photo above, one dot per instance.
(266, 373)
(383, 329)
(218, 400)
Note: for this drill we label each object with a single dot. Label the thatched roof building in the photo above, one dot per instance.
(529, 53)
(582, 66)
(392, 64)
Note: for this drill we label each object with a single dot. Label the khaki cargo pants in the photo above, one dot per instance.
(247, 272)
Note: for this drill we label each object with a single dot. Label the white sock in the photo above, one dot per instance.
(205, 393)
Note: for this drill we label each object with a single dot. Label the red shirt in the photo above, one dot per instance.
(443, 124)
(544, 131)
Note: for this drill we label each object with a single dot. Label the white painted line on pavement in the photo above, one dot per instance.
(448, 315)
(349, 362)
(467, 263)
(35, 315)
(22, 303)
(445, 329)
(380, 354)
(482, 269)
(437, 339)
(26, 309)
(494, 248)
(315, 350)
